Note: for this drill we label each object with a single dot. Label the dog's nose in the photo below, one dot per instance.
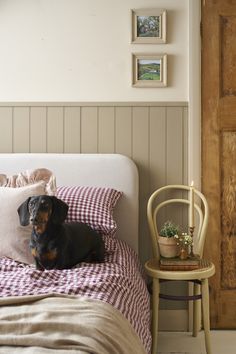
(33, 220)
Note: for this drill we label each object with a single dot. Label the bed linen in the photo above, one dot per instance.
(118, 284)
(89, 326)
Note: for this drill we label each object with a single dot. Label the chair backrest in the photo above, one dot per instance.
(156, 203)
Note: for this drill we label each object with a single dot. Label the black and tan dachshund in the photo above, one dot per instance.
(55, 244)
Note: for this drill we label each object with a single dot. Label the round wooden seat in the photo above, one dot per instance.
(205, 270)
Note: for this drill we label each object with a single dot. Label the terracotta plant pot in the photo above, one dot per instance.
(168, 247)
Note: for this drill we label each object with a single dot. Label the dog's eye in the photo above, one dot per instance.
(31, 204)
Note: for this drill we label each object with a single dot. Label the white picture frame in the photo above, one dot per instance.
(148, 26)
(149, 70)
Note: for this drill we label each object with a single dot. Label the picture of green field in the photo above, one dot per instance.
(149, 69)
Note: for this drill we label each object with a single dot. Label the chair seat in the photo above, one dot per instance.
(205, 270)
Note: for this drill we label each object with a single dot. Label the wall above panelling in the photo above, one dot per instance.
(76, 50)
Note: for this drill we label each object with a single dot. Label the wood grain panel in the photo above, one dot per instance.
(218, 117)
(21, 129)
(123, 130)
(228, 210)
(106, 129)
(89, 129)
(6, 125)
(55, 128)
(38, 128)
(72, 133)
(228, 55)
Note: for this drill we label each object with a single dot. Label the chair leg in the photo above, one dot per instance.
(155, 310)
(196, 311)
(206, 314)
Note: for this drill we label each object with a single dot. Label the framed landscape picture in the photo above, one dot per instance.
(149, 70)
(148, 26)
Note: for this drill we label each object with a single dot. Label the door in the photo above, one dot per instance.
(219, 153)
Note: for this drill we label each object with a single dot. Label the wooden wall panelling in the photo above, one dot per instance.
(21, 131)
(72, 131)
(174, 146)
(175, 175)
(141, 157)
(106, 129)
(154, 136)
(6, 124)
(185, 144)
(157, 143)
(55, 128)
(89, 129)
(38, 129)
(123, 130)
(174, 156)
(157, 154)
(157, 163)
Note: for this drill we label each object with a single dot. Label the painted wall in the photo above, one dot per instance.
(76, 50)
(80, 51)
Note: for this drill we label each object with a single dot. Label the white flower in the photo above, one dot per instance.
(184, 239)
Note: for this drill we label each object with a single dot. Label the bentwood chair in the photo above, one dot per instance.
(199, 276)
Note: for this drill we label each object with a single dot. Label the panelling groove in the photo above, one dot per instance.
(46, 130)
(30, 138)
(13, 128)
(63, 124)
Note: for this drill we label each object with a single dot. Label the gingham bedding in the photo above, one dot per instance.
(91, 205)
(118, 281)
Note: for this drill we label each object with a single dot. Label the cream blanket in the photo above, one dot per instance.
(64, 324)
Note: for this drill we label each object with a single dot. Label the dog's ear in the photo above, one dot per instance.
(59, 211)
(23, 213)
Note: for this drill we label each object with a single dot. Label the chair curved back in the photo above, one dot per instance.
(153, 208)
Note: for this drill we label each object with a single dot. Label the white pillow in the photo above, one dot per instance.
(14, 238)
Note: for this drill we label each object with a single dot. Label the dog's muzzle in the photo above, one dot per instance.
(40, 212)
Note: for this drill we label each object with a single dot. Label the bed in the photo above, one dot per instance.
(92, 308)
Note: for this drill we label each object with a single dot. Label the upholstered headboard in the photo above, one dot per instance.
(103, 170)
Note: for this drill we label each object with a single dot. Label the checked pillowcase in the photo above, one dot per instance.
(91, 205)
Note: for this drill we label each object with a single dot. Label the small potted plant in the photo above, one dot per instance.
(167, 241)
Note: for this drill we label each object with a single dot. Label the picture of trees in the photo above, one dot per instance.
(148, 26)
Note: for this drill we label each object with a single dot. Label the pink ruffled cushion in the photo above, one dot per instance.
(30, 177)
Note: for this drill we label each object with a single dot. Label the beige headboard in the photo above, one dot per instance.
(104, 170)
